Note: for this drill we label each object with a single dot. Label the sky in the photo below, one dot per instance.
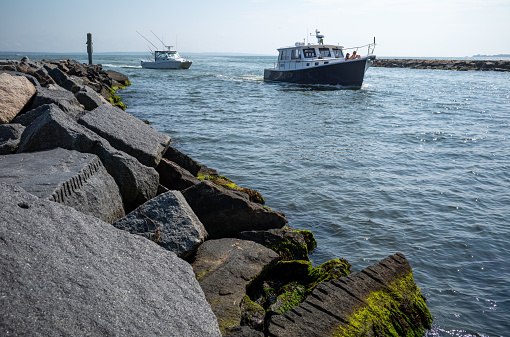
(402, 28)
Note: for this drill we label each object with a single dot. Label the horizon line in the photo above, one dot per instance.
(20, 53)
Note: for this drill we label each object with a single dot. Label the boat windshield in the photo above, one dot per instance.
(167, 55)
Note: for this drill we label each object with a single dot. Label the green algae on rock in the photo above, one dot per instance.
(223, 181)
(291, 295)
(115, 100)
(252, 314)
(380, 300)
(329, 270)
(398, 310)
(289, 282)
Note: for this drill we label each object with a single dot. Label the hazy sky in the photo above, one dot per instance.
(446, 28)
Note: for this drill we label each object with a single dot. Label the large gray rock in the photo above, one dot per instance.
(127, 133)
(54, 128)
(15, 93)
(182, 160)
(28, 117)
(290, 244)
(10, 135)
(174, 177)
(380, 297)
(89, 98)
(225, 213)
(224, 268)
(73, 84)
(75, 179)
(167, 220)
(63, 273)
(64, 99)
(118, 77)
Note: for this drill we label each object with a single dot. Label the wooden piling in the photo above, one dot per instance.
(89, 47)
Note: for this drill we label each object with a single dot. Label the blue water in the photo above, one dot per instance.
(417, 161)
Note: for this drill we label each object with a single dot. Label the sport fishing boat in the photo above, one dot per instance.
(320, 64)
(166, 59)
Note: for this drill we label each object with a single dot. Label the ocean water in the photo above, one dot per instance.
(416, 161)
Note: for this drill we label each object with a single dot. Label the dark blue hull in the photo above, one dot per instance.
(348, 74)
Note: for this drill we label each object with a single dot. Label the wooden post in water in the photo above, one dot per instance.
(89, 47)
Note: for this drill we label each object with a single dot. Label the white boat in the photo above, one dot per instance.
(166, 59)
(320, 63)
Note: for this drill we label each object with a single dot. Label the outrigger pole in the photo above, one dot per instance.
(158, 39)
(155, 48)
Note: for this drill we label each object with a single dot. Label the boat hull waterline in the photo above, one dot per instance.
(347, 74)
(166, 64)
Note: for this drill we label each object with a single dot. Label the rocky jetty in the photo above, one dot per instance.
(106, 229)
(460, 65)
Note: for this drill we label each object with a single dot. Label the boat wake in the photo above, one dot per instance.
(121, 66)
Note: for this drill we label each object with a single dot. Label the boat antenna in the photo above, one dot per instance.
(156, 48)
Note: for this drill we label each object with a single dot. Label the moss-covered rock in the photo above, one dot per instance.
(380, 300)
(291, 294)
(115, 99)
(308, 236)
(223, 181)
(289, 282)
(252, 314)
(288, 243)
(296, 270)
(398, 310)
(329, 270)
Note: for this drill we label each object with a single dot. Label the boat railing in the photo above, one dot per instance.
(370, 47)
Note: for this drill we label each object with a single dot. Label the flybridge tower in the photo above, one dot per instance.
(319, 36)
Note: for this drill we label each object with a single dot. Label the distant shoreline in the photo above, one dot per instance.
(459, 65)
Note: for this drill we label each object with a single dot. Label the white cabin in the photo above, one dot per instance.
(303, 56)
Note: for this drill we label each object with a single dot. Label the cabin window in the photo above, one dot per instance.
(285, 54)
(309, 52)
(324, 52)
(316, 63)
(308, 64)
(295, 55)
(338, 53)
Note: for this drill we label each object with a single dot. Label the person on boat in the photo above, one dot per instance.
(354, 56)
(347, 56)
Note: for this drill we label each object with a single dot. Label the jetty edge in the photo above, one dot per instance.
(459, 65)
(106, 229)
